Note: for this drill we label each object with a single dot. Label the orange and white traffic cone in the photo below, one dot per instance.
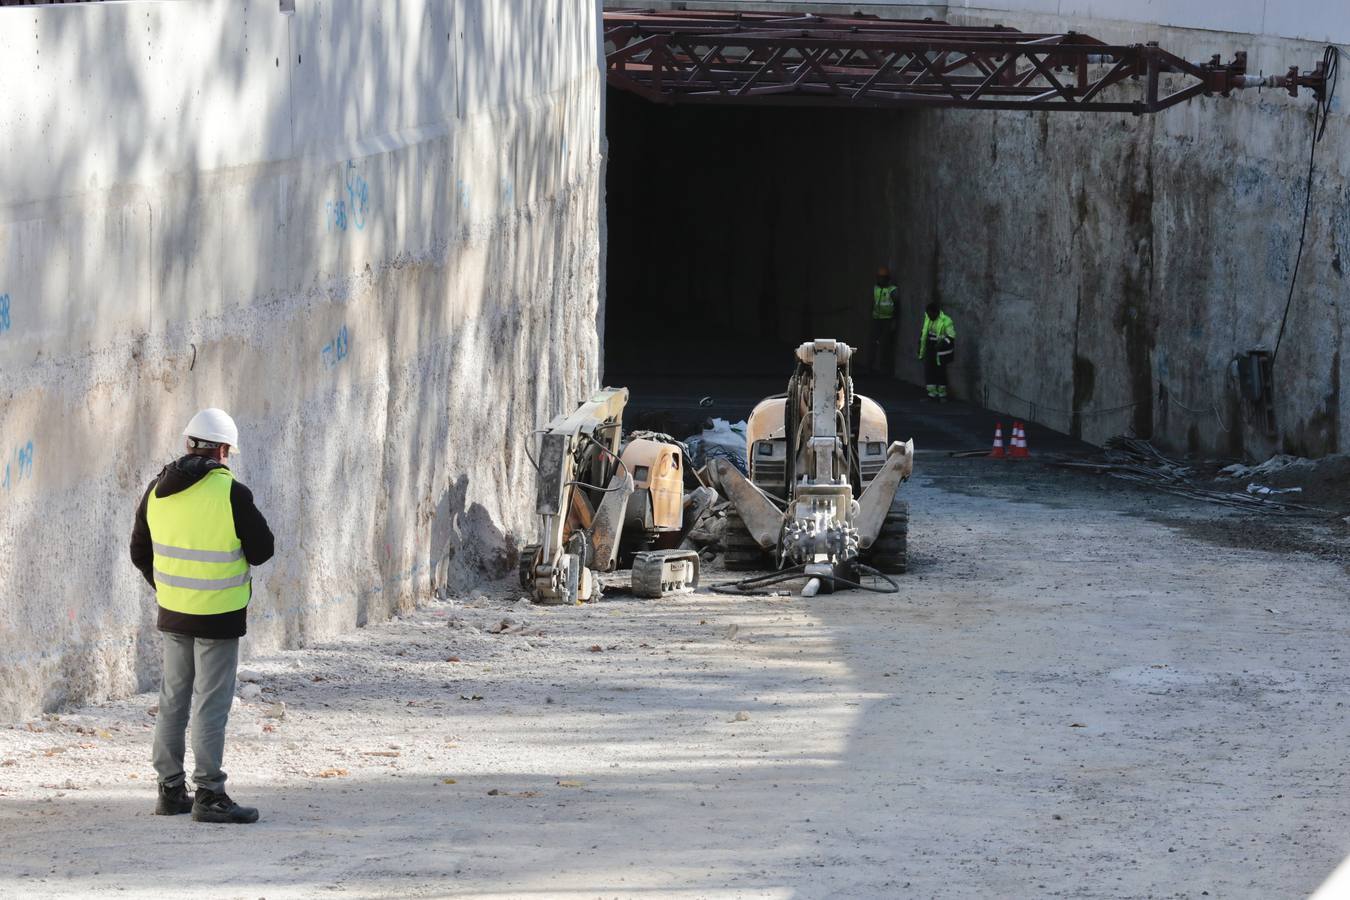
(1024, 451)
(1019, 447)
(997, 452)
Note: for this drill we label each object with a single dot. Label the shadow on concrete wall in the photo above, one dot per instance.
(367, 230)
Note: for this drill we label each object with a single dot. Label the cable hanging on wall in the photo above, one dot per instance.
(1331, 60)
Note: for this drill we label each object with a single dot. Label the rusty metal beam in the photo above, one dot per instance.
(730, 57)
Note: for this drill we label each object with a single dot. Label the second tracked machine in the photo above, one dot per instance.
(821, 497)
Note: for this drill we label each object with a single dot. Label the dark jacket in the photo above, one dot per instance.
(249, 525)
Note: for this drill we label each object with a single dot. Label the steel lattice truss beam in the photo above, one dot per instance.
(796, 59)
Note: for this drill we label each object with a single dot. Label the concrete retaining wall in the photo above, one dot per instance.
(1103, 270)
(1110, 269)
(371, 231)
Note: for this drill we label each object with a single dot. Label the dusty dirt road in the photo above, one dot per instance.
(1064, 701)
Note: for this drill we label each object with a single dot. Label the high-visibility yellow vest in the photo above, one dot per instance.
(939, 329)
(199, 563)
(883, 301)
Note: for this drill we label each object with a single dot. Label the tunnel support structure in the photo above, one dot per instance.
(857, 60)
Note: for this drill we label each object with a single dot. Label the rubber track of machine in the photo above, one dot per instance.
(648, 567)
(740, 552)
(890, 552)
(527, 557)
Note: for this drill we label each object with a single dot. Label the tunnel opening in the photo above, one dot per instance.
(736, 233)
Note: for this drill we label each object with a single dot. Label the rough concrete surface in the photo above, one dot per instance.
(368, 230)
(1064, 701)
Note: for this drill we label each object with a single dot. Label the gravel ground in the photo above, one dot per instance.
(1079, 692)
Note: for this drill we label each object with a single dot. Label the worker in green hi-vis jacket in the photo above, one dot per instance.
(884, 309)
(937, 349)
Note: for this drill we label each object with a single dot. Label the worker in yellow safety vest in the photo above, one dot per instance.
(884, 311)
(197, 534)
(937, 349)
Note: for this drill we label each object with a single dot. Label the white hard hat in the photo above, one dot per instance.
(214, 425)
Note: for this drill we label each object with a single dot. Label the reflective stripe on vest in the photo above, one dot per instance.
(883, 301)
(202, 584)
(199, 555)
(199, 562)
(936, 329)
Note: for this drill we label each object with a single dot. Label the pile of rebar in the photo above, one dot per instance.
(1138, 461)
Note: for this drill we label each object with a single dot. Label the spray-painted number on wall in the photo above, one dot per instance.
(335, 351)
(4, 313)
(19, 467)
(351, 210)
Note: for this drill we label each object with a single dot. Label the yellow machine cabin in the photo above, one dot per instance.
(657, 504)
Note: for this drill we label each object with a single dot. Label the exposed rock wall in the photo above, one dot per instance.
(1109, 270)
(370, 231)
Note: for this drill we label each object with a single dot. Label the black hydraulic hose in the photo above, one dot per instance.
(608, 452)
(747, 585)
(893, 589)
(755, 583)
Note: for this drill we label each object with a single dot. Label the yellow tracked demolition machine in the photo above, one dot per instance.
(605, 505)
(821, 498)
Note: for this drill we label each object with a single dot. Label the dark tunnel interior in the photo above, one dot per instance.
(735, 233)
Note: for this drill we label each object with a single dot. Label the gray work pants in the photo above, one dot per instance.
(883, 347)
(198, 679)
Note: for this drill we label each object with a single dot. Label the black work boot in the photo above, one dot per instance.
(173, 801)
(216, 806)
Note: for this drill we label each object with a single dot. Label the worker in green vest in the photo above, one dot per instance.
(883, 323)
(937, 349)
(197, 535)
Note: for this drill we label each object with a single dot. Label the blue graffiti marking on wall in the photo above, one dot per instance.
(352, 210)
(4, 313)
(462, 191)
(358, 196)
(337, 215)
(20, 468)
(508, 192)
(335, 351)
